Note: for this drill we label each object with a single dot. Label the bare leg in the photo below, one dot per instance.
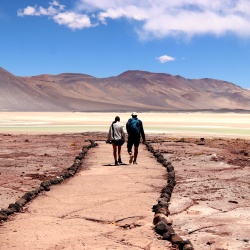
(131, 156)
(119, 154)
(114, 151)
(135, 153)
(119, 151)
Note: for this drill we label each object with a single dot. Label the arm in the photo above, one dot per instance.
(127, 126)
(142, 133)
(109, 134)
(123, 133)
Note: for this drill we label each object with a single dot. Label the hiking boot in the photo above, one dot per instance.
(134, 162)
(120, 160)
(131, 158)
(117, 163)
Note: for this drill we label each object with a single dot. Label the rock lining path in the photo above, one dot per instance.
(102, 207)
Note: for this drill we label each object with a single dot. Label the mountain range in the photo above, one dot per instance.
(132, 90)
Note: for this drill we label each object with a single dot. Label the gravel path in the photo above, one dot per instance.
(102, 207)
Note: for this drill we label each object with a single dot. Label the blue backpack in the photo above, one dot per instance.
(134, 126)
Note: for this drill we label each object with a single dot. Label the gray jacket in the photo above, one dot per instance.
(118, 132)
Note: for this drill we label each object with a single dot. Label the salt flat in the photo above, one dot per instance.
(188, 123)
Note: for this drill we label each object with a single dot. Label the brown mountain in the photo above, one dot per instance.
(131, 90)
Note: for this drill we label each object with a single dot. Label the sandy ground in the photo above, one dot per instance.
(209, 205)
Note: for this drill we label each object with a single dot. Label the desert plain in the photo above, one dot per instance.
(108, 207)
(190, 123)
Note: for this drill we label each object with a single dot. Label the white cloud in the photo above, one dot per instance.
(56, 11)
(29, 11)
(165, 58)
(56, 3)
(176, 18)
(155, 18)
(73, 20)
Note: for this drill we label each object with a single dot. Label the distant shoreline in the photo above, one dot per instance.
(215, 111)
(171, 123)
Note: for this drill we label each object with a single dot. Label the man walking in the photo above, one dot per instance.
(135, 132)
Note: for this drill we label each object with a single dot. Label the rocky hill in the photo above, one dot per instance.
(131, 90)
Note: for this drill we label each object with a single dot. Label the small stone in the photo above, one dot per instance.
(169, 233)
(167, 220)
(21, 202)
(157, 218)
(3, 216)
(8, 211)
(54, 181)
(163, 210)
(162, 217)
(188, 247)
(161, 228)
(176, 239)
(15, 207)
(163, 202)
(45, 185)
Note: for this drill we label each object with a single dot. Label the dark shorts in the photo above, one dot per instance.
(133, 141)
(118, 142)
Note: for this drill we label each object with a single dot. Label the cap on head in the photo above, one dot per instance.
(134, 114)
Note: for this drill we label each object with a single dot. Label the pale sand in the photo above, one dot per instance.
(186, 124)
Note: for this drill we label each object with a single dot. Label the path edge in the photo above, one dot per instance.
(162, 223)
(45, 185)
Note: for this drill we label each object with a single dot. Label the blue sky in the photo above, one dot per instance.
(102, 38)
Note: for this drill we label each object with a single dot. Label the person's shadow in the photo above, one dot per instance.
(121, 164)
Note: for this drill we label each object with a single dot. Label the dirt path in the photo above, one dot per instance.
(108, 207)
(102, 207)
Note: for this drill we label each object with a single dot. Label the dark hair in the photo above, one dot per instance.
(117, 119)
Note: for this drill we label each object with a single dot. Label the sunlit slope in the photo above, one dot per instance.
(131, 90)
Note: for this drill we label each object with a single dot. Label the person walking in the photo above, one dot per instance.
(135, 131)
(116, 136)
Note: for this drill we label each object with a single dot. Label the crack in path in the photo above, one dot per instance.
(206, 227)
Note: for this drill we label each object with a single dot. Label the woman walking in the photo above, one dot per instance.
(117, 137)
